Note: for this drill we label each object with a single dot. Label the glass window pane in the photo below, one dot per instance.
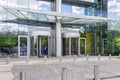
(44, 6)
(22, 3)
(78, 10)
(33, 4)
(66, 8)
(3, 2)
(12, 3)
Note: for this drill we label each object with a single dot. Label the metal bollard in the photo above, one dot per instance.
(63, 74)
(109, 56)
(22, 75)
(96, 72)
(45, 60)
(7, 60)
(87, 57)
(74, 58)
(99, 57)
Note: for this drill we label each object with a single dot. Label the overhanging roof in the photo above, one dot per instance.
(76, 2)
(50, 17)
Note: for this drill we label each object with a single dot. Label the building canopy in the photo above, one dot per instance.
(23, 16)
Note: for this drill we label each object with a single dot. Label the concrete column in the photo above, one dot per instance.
(58, 39)
(28, 46)
(18, 46)
(58, 5)
(69, 46)
(58, 31)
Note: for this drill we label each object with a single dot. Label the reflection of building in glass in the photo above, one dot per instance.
(66, 27)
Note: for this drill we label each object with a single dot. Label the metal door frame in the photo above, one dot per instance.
(19, 45)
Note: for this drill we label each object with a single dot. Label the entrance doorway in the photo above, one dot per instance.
(66, 46)
(83, 46)
(22, 46)
(39, 46)
(71, 43)
(43, 46)
(74, 46)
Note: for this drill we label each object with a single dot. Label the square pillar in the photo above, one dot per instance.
(58, 39)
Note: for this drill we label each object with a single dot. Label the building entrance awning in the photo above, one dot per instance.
(25, 15)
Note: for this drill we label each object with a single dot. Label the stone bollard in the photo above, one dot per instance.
(23, 75)
(63, 74)
(99, 57)
(7, 60)
(96, 72)
(74, 58)
(27, 59)
(109, 56)
(45, 58)
(87, 58)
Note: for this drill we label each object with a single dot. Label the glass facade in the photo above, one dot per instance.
(100, 38)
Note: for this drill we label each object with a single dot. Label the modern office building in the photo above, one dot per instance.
(59, 27)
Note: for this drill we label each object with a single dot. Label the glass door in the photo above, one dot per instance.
(65, 46)
(74, 46)
(22, 44)
(82, 46)
(42, 46)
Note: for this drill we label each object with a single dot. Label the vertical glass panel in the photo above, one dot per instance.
(23, 46)
(66, 8)
(8, 46)
(65, 46)
(82, 46)
(74, 46)
(34, 46)
(44, 45)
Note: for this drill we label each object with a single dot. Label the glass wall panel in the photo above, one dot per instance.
(78, 10)
(44, 6)
(23, 3)
(12, 3)
(33, 4)
(8, 29)
(114, 27)
(66, 8)
(3, 2)
(8, 46)
(23, 29)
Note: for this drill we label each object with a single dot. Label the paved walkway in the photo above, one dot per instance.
(80, 69)
(6, 72)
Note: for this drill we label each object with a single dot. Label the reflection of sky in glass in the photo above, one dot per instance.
(44, 6)
(78, 10)
(114, 9)
(66, 8)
